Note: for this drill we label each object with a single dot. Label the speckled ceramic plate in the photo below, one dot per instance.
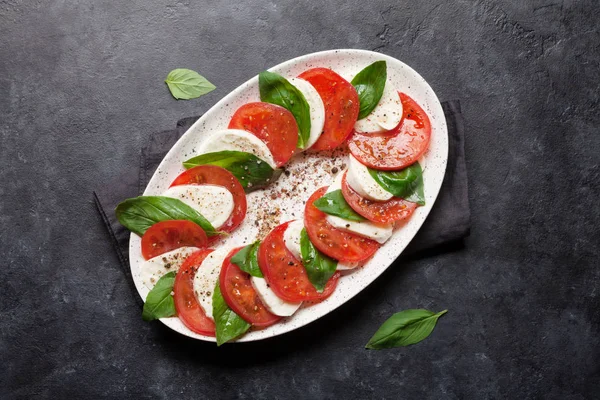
(305, 173)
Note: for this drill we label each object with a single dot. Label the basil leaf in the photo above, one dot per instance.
(369, 84)
(159, 302)
(228, 324)
(276, 89)
(406, 184)
(252, 172)
(333, 203)
(187, 84)
(404, 328)
(319, 267)
(247, 259)
(140, 213)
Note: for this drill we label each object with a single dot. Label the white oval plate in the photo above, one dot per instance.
(285, 199)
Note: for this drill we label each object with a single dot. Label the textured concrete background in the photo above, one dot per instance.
(81, 88)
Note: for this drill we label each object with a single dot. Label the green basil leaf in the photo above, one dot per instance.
(333, 203)
(252, 172)
(140, 213)
(406, 184)
(159, 302)
(276, 89)
(319, 267)
(228, 324)
(369, 84)
(187, 84)
(247, 259)
(404, 328)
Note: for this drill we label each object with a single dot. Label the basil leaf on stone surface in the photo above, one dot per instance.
(333, 203)
(140, 213)
(406, 184)
(369, 84)
(186, 84)
(319, 267)
(247, 259)
(404, 328)
(228, 325)
(252, 172)
(159, 302)
(275, 89)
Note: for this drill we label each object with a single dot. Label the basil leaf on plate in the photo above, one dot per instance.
(404, 328)
(159, 302)
(333, 203)
(369, 84)
(140, 213)
(252, 172)
(247, 260)
(406, 184)
(228, 324)
(319, 267)
(275, 89)
(187, 84)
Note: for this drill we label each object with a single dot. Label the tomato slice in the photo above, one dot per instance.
(336, 243)
(385, 212)
(170, 235)
(272, 124)
(188, 309)
(398, 148)
(213, 175)
(341, 106)
(285, 273)
(240, 296)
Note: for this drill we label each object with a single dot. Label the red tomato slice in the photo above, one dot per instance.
(385, 212)
(213, 175)
(272, 124)
(335, 243)
(170, 235)
(341, 106)
(285, 273)
(398, 148)
(240, 296)
(188, 309)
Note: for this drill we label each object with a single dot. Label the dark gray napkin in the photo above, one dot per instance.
(448, 222)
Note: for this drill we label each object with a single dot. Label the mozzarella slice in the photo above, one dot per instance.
(214, 202)
(237, 140)
(273, 303)
(206, 279)
(359, 179)
(154, 268)
(385, 116)
(291, 238)
(317, 109)
(342, 266)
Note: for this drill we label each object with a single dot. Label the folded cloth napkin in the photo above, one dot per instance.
(448, 221)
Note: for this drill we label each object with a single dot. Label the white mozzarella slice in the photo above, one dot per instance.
(214, 202)
(274, 304)
(359, 179)
(385, 116)
(291, 238)
(153, 269)
(206, 279)
(317, 109)
(343, 266)
(237, 140)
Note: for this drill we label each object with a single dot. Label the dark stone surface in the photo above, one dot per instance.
(81, 88)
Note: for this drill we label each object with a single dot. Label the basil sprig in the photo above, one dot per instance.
(186, 84)
(369, 84)
(404, 328)
(406, 184)
(159, 302)
(252, 172)
(228, 325)
(275, 89)
(319, 267)
(247, 260)
(140, 213)
(333, 203)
